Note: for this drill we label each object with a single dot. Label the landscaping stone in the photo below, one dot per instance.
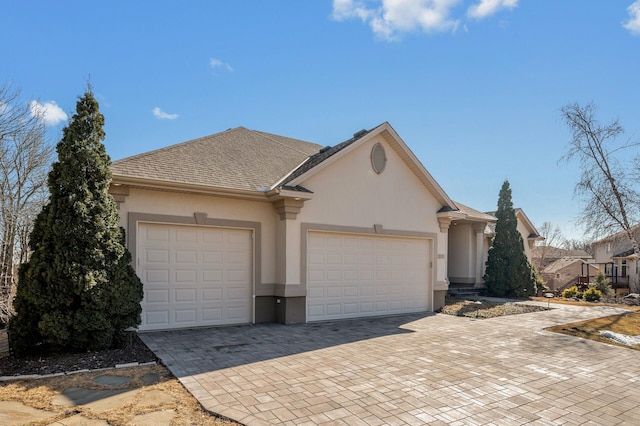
(156, 397)
(16, 413)
(79, 420)
(97, 400)
(150, 378)
(156, 418)
(113, 381)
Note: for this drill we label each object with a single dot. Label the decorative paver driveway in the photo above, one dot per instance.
(410, 369)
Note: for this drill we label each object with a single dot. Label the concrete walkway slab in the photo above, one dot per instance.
(410, 369)
(16, 413)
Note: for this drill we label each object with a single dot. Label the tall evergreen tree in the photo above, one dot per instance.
(508, 272)
(78, 291)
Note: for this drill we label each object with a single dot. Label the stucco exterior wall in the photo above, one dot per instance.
(348, 192)
(600, 254)
(525, 232)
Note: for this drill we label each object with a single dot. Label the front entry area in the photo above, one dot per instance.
(357, 275)
(194, 275)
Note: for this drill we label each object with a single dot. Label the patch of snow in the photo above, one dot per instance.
(621, 338)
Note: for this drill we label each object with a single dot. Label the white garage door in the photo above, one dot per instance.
(194, 276)
(350, 275)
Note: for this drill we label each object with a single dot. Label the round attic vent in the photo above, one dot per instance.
(378, 158)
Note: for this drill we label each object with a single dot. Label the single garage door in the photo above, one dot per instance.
(194, 276)
(351, 275)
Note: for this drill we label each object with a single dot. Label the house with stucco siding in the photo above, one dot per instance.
(245, 226)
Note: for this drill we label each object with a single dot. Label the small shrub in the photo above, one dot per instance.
(592, 295)
(571, 292)
(602, 284)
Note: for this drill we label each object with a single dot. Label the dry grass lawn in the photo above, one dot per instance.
(40, 393)
(627, 323)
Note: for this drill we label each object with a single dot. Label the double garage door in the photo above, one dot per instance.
(203, 276)
(194, 276)
(353, 275)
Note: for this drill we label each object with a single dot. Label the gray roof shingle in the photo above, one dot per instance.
(237, 158)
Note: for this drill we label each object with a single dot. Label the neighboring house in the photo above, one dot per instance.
(244, 226)
(619, 261)
(566, 271)
(544, 256)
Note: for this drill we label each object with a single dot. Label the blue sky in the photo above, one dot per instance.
(474, 87)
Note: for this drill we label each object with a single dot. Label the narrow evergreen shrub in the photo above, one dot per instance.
(508, 271)
(78, 291)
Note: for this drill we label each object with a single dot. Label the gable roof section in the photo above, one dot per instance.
(237, 159)
(533, 232)
(475, 215)
(562, 263)
(551, 252)
(330, 154)
(620, 236)
(248, 162)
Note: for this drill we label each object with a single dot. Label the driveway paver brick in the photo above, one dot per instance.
(409, 369)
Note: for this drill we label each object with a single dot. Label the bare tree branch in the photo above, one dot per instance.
(607, 183)
(25, 158)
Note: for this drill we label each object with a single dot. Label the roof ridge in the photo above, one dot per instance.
(269, 136)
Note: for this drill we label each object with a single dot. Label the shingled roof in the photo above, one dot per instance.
(323, 154)
(237, 158)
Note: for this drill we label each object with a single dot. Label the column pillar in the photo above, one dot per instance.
(479, 230)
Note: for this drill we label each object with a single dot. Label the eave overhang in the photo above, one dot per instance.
(188, 188)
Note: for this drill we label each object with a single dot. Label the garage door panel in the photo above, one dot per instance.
(185, 295)
(157, 296)
(156, 234)
(211, 295)
(236, 314)
(212, 314)
(155, 276)
(316, 276)
(351, 291)
(186, 256)
(334, 309)
(365, 307)
(333, 275)
(351, 275)
(215, 288)
(185, 317)
(158, 319)
(211, 276)
(334, 292)
(183, 276)
(157, 256)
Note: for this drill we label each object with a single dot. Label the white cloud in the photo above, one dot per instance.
(397, 16)
(389, 18)
(633, 24)
(485, 8)
(217, 63)
(49, 111)
(161, 115)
